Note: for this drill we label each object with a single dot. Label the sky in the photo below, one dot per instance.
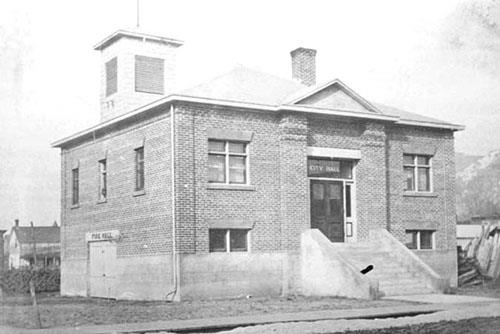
(437, 58)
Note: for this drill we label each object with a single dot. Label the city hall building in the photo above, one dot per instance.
(251, 184)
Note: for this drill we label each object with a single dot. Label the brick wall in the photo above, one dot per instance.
(434, 212)
(277, 203)
(294, 185)
(259, 204)
(143, 221)
(431, 212)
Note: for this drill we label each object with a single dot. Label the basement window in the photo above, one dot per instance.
(228, 240)
(420, 239)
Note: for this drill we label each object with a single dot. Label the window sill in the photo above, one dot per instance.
(101, 201)
(74, 206)
(139, 193)
(217, 186)
(419, 194)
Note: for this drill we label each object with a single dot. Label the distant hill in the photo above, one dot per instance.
(463, 161)
(478, 185)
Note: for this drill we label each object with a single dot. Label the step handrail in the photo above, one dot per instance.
(355, 274)
(398, 248)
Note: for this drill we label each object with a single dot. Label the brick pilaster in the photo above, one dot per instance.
(371, 180)
(294, 185)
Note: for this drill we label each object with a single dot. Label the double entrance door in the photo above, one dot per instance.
(327, 208)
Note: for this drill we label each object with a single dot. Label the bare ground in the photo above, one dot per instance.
(467, 326)
(56, 311)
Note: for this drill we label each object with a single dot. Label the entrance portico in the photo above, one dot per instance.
(331, 174)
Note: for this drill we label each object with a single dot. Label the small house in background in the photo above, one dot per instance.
(38, 246)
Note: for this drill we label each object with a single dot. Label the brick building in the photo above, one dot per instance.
(251, 184)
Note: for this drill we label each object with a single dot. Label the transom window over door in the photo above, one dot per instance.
(227, 162)
(417, 170)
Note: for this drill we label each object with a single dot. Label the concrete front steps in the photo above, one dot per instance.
(394, 278)
(334, 269)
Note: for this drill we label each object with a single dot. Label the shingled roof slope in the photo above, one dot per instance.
(247, 85)
(43, 234)
(243, 84)
(406, 115)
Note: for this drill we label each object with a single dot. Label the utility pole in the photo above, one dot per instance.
(34, 243)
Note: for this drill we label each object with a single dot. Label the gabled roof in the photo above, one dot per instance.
(43, 234)
(309, 92)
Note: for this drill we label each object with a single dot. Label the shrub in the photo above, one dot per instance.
(17, 280)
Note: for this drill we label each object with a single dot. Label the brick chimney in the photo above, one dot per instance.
(304, 66)
(16, 222)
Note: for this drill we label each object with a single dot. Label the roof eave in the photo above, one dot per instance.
(338, 112)
(157, 103)
(254, 106)
(119, 33)
(446, 126)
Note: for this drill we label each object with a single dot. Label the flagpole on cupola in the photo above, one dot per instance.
(137, 12)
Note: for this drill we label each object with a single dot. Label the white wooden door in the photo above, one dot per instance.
(102, 269)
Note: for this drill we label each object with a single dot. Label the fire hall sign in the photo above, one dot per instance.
(102, 236)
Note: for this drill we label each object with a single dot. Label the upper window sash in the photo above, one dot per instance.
(417, 169)
(227, 156)
(102, 179)
(75, 193)
(139, 168)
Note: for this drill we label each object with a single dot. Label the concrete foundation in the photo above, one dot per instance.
(444, 262)
(226, 275)
(136, 278)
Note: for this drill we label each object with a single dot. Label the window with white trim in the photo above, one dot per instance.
(417, 170)
(420, 239)
(139, 169)
(228, 240)
(227, 162)
(75, 186)
(103, 184)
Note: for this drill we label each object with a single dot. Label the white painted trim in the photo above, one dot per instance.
(257, 107)
(355, 96)
(338, 112)
(144, 36)
(333, 152)
(449, 126)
